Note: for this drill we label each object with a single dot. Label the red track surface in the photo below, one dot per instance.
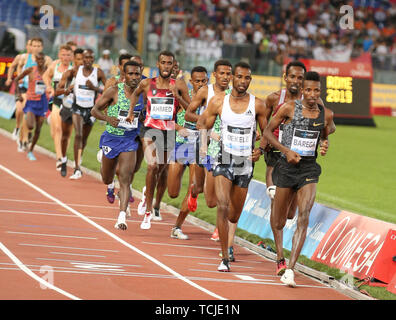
(69, 230)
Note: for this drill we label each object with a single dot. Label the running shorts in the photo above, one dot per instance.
(112, 145)
(37, 107)
(85, 113)
(295, 176)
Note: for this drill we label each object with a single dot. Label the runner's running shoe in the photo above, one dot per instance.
(288, 278)
(121, 222)
(110, 195)
(31, 156)
(280, 267)
(215, 235)
(15, 134)
(157, 215)
(192, 202)
(142, 204)
(146, 223)
(58, 164)
(76, 175)
(224, 266)
(230, 254)
(63, 170)
(177, 233)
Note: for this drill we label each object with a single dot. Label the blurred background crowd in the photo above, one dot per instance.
(263, 33)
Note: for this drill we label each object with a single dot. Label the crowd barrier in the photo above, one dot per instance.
(360, 246)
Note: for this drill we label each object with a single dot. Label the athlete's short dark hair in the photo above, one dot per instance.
(125, 56)
(221, 62)
(78, 51)
(312, 76)
(131, 63)
(166, 53)
(241, 64)
(295, 63)
(199, 69)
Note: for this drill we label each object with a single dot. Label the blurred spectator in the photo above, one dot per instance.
(76, 22)
(106, 63)
(36, 16)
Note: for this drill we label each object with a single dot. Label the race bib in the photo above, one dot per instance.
(85, 96)
(39, 88)
(280, 132)
(67, 102)
(162, 108)
(304, 142)
(238, 141)
(123, 124)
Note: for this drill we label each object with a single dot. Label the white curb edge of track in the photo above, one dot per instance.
(312, 273)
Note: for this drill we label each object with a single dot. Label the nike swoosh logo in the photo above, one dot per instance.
(316, 124)
(169, 94)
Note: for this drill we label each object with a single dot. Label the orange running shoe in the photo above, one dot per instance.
(215, 235)
(192, 202)
(280, 267)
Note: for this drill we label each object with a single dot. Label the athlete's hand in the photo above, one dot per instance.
(50, 91)
(293, 157)
(203, 151)
(255, 155)
(215, 136)
(113, 121)
(90, 85)
(130, 117)
(8, 82)
(258, 135)
(183, 132)
(324, 146)
(172, 87)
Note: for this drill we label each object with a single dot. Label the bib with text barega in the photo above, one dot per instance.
(162, 108)
(304, 142)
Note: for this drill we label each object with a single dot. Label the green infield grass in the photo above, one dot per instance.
(358, 175)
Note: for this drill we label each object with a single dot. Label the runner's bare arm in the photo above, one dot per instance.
(328, 129)
(103, 102)
(19, 77)
(11, 69)
(182, 93)
(47, 77)
(262, 122)
(109, 83)
(60, 89)
(208, 117)
(141, 88)
(283, 114)
(195, 103)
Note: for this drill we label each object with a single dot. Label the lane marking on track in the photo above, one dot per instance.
(112, 235)
(50, 235)
(248, 278)
(33, 275)
(179, 245)
(211, 258)
(77, 254)
(91, 262)
(232, 265)
(69, 204)
(240, 272)
(64, 247)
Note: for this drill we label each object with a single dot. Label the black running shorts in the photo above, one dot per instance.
(66, 115)
(271, 157)
(295, 176)
(227, 170)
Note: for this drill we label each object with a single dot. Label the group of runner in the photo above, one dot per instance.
(211, 128)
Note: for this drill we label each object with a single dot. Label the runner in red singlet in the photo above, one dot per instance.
(164, 97)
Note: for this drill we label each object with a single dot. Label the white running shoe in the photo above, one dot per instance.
(146, 223)
(142, 204)
(157, 215)
(121, 222)
(76, 175)
(177, 233)
(224, 266)
(288, 278)
(15, 134)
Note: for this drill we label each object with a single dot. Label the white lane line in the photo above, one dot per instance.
(33, 275)
(90, 262)
(211, 258)
(77, 254)
(69, 204)
(232, 265)
(64, 247)
(239, 272)
(112, 235)
(179, 245)
(50, 235)
(246, 278)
